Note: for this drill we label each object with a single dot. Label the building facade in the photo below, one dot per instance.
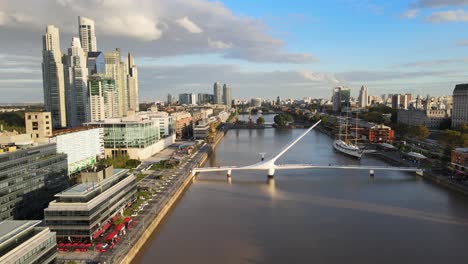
(431, 118)
(76, 86)
(29, 178)
(81, 211)
(217, 99)
(87, 34)
(138, 137)
(38, 125)
(459, 160)
(460, 105)
(24, 242)
(132, 83)
(183, 122)
(102, 97)
(363, 97)
(83, 147)
(227, 98)
(341, 98)
(53, 77)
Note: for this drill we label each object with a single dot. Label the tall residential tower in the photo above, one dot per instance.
(227, 99)
(87, 34)
(53, 78)
(218, 99)
(132, 84)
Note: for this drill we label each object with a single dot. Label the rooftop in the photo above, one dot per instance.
(461, 88)
(71, 130)
(11, 228)
(464, 150)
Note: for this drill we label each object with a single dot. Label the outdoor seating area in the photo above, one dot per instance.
(103, 239)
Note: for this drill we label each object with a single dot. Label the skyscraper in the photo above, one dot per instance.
(170, 99)
(460, 105)
(53, 79)
(87, 34)
(96, 63)
(76, 85)
(218, 99)
(132, 84)
(227, 99)
(363, 97)
(341, 98)
(102, 96)
(113, 70)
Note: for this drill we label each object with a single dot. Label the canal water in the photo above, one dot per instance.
(309, 216)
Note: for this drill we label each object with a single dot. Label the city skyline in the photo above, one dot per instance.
(287, 50)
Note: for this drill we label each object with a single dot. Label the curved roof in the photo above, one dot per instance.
(416, 155)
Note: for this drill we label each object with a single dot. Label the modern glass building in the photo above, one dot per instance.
(81, 211)
(29, 179)
(23, 242)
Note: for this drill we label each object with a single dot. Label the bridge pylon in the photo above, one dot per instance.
(271, 173)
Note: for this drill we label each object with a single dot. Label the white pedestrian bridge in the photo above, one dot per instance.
(270, 166)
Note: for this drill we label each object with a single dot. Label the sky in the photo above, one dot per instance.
(291, 49)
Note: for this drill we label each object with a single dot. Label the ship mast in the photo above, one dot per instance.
(356, 135)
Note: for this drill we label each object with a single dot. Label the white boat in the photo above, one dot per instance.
(349, 149)
(345, 146)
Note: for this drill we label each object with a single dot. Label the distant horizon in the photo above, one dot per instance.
(259, 48)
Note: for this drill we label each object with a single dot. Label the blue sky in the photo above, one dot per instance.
(262, 48)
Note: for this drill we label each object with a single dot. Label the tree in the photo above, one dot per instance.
(260, 120)
(374, 117)
(453, 138)
(283, 119)
(420, 132)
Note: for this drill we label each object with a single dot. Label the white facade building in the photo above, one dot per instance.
(76, 86)
(53, 77)
(83, 147)
(363, 97)
(132, 83)
(87, 34)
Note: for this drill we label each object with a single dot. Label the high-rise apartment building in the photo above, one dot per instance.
(76, 85)
(87, 34)
(460, 105)
(102, 97)
(170, 99)
(341, 98)
(363, 97)
(53, 77)
(113, 70)
(188, 98)
(132, 84)
(227, 99)
(218, 99)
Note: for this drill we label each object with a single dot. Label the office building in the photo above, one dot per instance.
(53, 77)
(25, 242)
(217, 99)
(170, 99)
(87, 34)
(96, 63)
(137, 136)
(166, 123)
(431, 118)
(341, 98)
(132, 82)
(82, 211)
(183, 124)
(83, 146)
(460, 105)
(38, 125)
(204, 98)
(227, 99)
(76, 85)
(201, 131)
(363, 97)
(188, 99)
(29, 178)
(102, 97)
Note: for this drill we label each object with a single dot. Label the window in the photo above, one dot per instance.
(47, 122)
(29, 117)
(37, 135)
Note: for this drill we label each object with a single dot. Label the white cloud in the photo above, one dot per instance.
(189, 25)
(319, 77)
(410, 14)
(438, 3)
(219, 44)
(448, 16)
(155, 28)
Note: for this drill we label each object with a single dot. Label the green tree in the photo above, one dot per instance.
(374, 117)
(260, 120)
(453, 138)
(420, 132)
(283, 119)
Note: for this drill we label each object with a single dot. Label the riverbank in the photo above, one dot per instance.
(427, 175)
(201, 156)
